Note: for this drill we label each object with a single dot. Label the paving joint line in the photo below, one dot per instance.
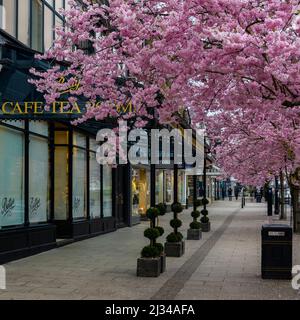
(173, 286)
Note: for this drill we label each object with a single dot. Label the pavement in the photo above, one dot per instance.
(224, 264)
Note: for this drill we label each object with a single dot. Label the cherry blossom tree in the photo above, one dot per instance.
(232, 63)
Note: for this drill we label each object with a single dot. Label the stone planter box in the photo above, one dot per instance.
(148, 267)
(194, 234)
(174, 249)
(163, 262)
(205, 227)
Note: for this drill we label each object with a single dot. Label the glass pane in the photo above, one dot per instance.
(50, 2)
(140, 191)
(38, 180)
(79, 183)
(37, 26)
(23, 21)
(61, 183)
(79, 140)
(11, 177)
(8, 17)
(93, 145)
(59, 4)
(159, 186)
(61, 137)
(169, 187)
(95, 187)
(107, 191)
(48, 28)
(18, 124)
(39, 127)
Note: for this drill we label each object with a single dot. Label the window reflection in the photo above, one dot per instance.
(10, 16)
(37, 26)
(23, 21)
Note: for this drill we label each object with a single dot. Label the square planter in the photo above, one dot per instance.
(205, 227)
(148, 267)
(174, 249)
(194, 234)
(163, 262)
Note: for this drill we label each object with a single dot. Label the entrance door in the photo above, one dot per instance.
(121, 196)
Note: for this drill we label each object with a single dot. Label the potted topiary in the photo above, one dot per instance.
(194, 233)
(162, 208)
(205, 223)
(174, 247)
(150, 263)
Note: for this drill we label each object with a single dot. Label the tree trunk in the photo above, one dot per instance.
(282, 200)
(296, 207)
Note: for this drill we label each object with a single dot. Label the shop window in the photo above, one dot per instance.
(48, 28)
(140, 191)
(159, 186)
(38, 179)
(79, 140)
(107, 191)
(95, 187)
(9, 23)
(11, 177)
(61, 173)
(23, 21)
(61, 137)
(79, 183)
(169, 189)
(36, 25)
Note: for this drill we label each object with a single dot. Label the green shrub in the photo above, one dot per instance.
(195, 214)
(160, 230)
(150, 252)
(175, 223)
(162, 208)
(174, 237)
(205, 201)
(151, 233)
(195, 225)
(204, 219)
(152, 213)
(159, 247)
(204, 212)
(176, 207)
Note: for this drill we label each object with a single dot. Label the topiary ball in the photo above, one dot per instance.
(204, 212)
(195, 214)
(152, 213)
(205, 201)
(176, 207)
(159, 247)
(174, 237)
(204, 219)
(160, 230)
(151, 233)
(162, 208)
(175, 223)
(195, 225)
(150, 252)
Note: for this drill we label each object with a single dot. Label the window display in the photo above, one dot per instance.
(79, 183)
(140, 191)
(12, 172)
(107, 191)
(95, 187)
(38, 180)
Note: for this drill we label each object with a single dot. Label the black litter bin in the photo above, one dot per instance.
(258, 199)
(276, 262)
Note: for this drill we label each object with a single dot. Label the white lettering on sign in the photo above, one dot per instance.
(276, 233)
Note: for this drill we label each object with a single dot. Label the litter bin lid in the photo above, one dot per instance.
(277, 226)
